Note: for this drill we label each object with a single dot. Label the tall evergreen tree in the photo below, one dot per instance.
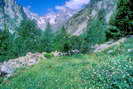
(122, 20)
(46, 39)
(62, 40)
(5, 43)
(95, 34)
(26, 40)
(28, 29)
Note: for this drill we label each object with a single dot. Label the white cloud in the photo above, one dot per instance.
(73, 4)
(62, 8)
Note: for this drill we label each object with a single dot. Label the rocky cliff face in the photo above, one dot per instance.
(78, 23)
(55, 19)
(11, 14)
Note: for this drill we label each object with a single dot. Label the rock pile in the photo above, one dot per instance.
(69, 53)
(9, 67)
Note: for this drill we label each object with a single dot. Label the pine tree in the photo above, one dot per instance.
(26, 40)
(122, 20)
(46, 39)
(62, 41)
(5, 43)
(28, 29)
(95, 34)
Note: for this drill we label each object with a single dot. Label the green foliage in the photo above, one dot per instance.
(26, 39)
(62, 41)
(91, 71)
(76, 42)
(129, 48)
(48, 55)
(5, 44)
(115, 74)
(28, 29)
(121, 21)
(46, 39)
(95, 34)
(18, 44)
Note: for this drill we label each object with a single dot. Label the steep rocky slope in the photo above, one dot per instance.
(11, 14)
(55, 19)
(78, 23)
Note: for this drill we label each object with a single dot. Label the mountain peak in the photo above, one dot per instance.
(56, 19)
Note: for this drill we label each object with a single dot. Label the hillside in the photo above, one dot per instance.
(95, 71)
(102, 9)
(74, 47)
(11, 14)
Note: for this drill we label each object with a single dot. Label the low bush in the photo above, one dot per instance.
(121, 23)
(115, 74)
(48, 55)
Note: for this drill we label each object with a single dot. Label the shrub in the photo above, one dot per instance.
(5, 44)
(62, 41)
(46, 40)
(95, 34)
(121, 23)
(48, 55)
(129, 48)
(24, 40)
(28, 29)
(114, 74)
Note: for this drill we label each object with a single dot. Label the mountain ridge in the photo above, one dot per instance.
(11, 14)
(79, 22)
(16, 13)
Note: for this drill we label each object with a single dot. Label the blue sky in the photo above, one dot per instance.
(42, 7)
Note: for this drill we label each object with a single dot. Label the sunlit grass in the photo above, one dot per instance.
(76, 72)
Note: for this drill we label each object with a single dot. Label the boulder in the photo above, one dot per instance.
(130, 50)
(6, 70)
(9, 67)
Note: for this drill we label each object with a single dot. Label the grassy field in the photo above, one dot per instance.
(90, 71)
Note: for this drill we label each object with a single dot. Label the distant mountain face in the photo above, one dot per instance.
(56, 19)
(11, 14)
(74, 21)
(78, 23)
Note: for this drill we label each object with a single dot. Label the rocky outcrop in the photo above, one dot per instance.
(69, 53)
(55, 19)
(79, 22)
(9, 67)
(11, 14)
(107, 45)
(102, 47)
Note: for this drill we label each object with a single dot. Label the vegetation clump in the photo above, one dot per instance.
(95, 71)
(121, 23)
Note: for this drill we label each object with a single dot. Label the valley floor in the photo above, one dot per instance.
(111, 69)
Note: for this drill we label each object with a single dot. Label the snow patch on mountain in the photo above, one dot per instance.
(58, 18)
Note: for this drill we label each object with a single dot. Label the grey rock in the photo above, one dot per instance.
(78, 23)
(11, 14)
(110, 51)
(130, 50)
(8, 68)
